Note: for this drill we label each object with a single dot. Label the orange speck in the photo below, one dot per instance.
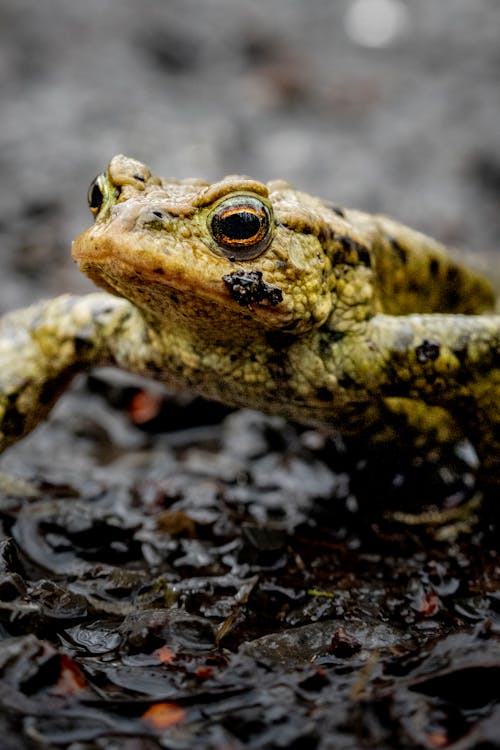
(164, 654)
(203, 673)
(437, 739)
(70, 680)
(429, 605)
(144, 407)
(163, 715)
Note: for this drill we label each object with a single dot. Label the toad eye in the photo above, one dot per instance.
(96, 193)
(241, 226)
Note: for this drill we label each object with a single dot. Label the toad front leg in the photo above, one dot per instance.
(450, 361)
(42, 347)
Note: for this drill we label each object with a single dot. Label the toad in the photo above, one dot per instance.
(263, 296)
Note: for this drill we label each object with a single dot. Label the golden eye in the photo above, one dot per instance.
(96, 194)
(241, 226)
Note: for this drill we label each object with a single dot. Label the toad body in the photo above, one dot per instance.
(262, 296)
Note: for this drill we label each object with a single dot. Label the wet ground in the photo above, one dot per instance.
(176, 575)
(237, 582)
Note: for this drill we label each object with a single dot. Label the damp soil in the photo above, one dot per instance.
(237, 581)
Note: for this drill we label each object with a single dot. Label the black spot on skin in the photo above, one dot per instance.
(140, 177)
(334, 336)
(326, 341)
(13, 422)
(347, 382)
(399, 249)
(160, 271)
(364, 256)
(354, 252)
(82, 346)
(413, 285)
(326, 234)
(452, 298)
(301, 228)
(323, 394)
(427, 351)
(247, 288)
(159, 214)
(360, 252)
(434, 267)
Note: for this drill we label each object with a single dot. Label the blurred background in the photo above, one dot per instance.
(387, 105)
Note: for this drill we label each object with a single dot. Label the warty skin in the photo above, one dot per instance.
(262, 296)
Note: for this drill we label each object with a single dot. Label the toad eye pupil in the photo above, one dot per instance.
(95, 195)
(240, 226)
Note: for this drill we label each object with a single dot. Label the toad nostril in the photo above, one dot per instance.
(155, 218)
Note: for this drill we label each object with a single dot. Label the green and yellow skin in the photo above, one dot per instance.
(262, 296)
